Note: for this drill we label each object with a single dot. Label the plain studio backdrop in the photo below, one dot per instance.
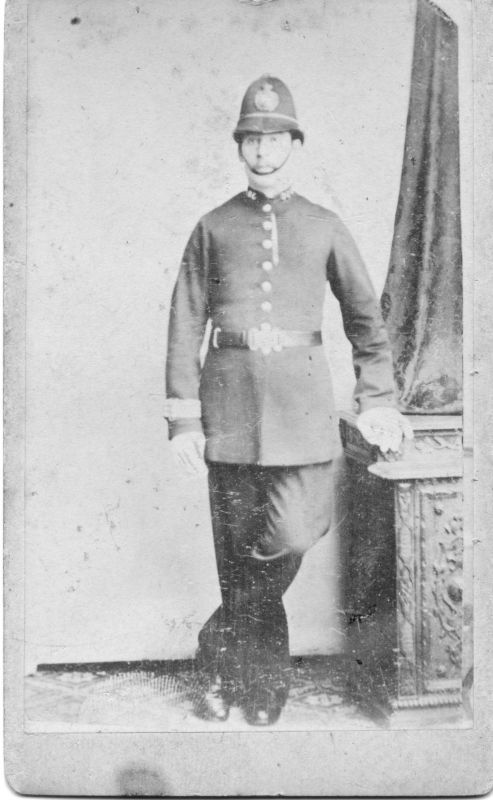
(131, 105)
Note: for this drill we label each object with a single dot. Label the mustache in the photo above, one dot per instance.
(272, 169)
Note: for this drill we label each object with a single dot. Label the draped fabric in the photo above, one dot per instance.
(422, 298)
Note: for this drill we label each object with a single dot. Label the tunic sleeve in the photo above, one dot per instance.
(187, 323)
(363, 323)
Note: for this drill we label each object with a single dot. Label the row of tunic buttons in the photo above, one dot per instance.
(266, 286)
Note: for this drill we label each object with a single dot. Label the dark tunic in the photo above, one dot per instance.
(253, 261)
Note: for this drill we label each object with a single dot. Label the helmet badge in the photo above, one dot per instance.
(266, 99)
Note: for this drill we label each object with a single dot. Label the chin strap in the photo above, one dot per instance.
(276, 170)
(274, 183)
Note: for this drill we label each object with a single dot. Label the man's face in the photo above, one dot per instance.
(265, 153)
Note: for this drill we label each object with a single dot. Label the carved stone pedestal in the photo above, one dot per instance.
(403, 563)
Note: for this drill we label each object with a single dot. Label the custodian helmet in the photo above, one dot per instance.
(267, 107)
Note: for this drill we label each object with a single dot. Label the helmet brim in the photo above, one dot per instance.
(262, 123)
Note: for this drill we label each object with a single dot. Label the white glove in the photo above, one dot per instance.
(188, 449)
(385, 427)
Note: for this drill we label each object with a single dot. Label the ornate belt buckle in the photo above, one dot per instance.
(265, 338)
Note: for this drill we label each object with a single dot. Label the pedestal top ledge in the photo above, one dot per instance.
(435, 452)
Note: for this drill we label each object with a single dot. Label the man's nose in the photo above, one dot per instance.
(262, 147)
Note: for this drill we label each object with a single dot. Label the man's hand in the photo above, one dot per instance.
(384, 427)
(189, 451)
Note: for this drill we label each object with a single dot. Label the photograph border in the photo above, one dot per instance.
(329, 763)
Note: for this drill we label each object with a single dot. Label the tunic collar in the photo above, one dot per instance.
(253, 194)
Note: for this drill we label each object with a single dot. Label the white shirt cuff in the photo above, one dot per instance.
(176, 408)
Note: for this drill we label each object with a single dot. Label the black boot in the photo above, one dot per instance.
(263, 706)
(213, 702)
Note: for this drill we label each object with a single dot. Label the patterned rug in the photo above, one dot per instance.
(160, 697)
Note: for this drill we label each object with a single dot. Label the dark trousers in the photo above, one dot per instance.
(263, 520)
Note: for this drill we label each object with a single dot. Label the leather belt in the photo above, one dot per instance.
(265, 338)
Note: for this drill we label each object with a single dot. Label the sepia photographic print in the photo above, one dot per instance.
(243, 542)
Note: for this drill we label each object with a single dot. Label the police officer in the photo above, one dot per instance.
(262, 407)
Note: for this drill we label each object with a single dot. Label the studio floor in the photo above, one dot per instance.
(160, 696)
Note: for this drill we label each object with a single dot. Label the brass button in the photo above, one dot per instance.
(266, 286)
(266, 306)
(267, 244)
(267, 208)
(267, 225)
(267, 265)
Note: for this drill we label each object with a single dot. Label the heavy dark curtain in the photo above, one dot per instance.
(422, 298)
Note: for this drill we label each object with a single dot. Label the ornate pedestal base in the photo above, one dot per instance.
(403, 570)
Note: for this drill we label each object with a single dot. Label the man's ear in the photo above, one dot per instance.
(240, 154)
(297, 144)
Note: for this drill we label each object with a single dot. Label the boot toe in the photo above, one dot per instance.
(264, 709)
(213, 704)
